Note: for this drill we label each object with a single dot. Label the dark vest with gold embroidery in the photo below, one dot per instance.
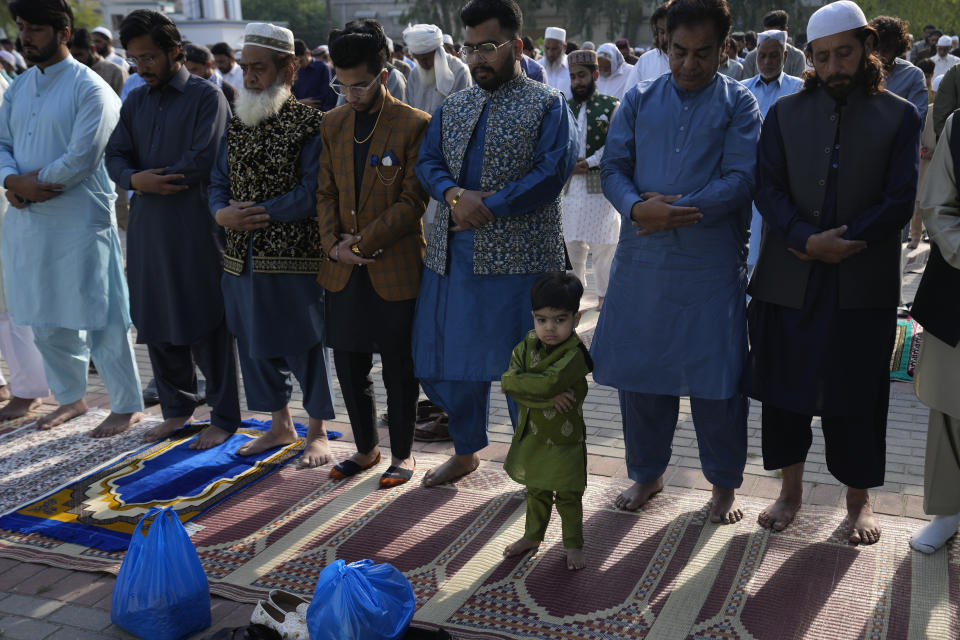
(600, 110)
(264, 162)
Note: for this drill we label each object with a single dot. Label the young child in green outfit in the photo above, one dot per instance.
(547, 379)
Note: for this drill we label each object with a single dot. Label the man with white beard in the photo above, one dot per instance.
(263, 191)
(555, 60)
(173, 247)
(437, 74)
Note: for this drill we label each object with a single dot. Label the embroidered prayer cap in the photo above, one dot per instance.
(773, 34)
(555, 33)
(945, 41)
(835, 18)
(106, 33)
(268, 36)
(423, 38)
(582, 56)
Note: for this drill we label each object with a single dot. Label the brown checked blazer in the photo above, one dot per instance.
(388, 219)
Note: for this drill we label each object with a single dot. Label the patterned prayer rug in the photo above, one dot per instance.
(661, 573)
(906, 349)
(9, 426)
(102, 508)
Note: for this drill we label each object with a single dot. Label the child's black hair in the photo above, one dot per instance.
(556, 289)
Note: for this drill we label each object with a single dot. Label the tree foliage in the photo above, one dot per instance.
(85, 16)
(308, 19)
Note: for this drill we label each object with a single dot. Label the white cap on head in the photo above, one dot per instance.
(835, 18)
(555, 33)
(944, 41)
(106, 33)
(773, 34)
(955, 39)
(423, 38)
(268, 36)
(448, 39)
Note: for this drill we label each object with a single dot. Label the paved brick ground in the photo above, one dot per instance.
(45, 603)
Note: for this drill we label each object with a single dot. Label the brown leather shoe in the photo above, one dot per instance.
(433, 431)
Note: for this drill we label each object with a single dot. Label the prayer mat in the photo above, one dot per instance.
(906, 349)
(9, 426)
(102, 508)
(663, 572)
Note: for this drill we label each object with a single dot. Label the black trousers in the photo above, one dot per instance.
(855, 445)
(356, 385)
(174, 367)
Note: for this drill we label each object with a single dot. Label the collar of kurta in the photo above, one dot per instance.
(778, 81)
(59, 67)
(178, 81)
(828, 104)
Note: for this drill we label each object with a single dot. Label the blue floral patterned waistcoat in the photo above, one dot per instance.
(528, 243)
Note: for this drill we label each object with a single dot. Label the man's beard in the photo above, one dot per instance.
(428, 77)
(554, 66)
(582, 94)
(501, 75)
(103, 51)
(254, 107)
(858, 79)
(44, 54)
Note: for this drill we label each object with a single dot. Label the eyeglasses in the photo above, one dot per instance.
(142, 60)
(486, 51)
(341, 90)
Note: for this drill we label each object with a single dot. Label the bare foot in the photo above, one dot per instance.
(638, 495)
(781, 513)
(19, 407)
(575, 559)
(451, 470)
(724, 508)
(209, 438)
(163, 430)
(913, 244)
(278, 436)
(62, 414)
(5, 393)
(316, 452)
(116, 423)
(864, 526)
(599, 308)
(519, 547)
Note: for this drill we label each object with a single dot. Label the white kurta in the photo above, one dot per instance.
(650, 66)
(616, 83)
(558, 76)
(427, 97)
(936, 376)
(588, 217)
(942, 65)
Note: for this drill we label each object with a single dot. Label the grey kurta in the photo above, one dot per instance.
(173, 244)
(938, 369)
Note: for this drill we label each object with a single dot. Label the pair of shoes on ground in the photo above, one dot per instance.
(285, 613)
(392, 477)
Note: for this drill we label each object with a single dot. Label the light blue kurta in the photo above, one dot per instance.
(674, 319)
(62, 259)
(766, 93)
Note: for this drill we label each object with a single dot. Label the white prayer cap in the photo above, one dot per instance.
(7, 57)
(955, 39)
(448, 39)
(555, 33)
(268, 36)
(106, 33)
(423, 38)
(944, 41)
(835, 18)
(773, 34)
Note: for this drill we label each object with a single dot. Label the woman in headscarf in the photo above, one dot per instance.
(614, 71)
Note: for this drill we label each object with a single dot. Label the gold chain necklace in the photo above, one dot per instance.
(374, 130)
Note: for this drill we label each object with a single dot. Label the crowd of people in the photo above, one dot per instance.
(437, 204)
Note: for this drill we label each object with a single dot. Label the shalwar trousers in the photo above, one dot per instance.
(855, 445)
(268, 381)
(467, 403)
(569, 506)
(27, 378)
(175, 370)
(650, 420)
(577, 250)
(66, 362)
(941, 472)
(356, 385)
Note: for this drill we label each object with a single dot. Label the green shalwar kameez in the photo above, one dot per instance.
(549, 453)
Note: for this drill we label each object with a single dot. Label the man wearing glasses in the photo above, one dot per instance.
(495, 156)
(263, 191)
(164, 148)
(369, 212)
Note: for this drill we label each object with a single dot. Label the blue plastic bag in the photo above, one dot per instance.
(161, 591)
(360, 601)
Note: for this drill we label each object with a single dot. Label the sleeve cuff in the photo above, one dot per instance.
(4, 174)
(442, 187)
(799, 233)
(497, 204)
(123, 180)
(593, 161)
